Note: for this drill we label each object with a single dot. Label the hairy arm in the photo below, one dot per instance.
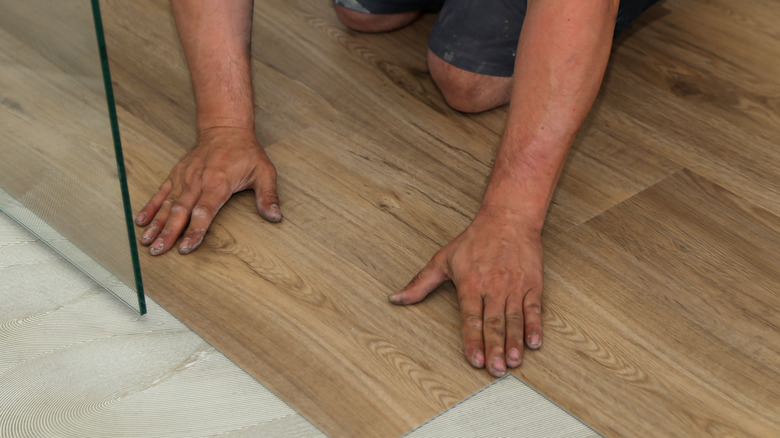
(496, 263)
(561, 58)
(215, 36)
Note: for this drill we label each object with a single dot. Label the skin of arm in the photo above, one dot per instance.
(215, 36)
(496, 263)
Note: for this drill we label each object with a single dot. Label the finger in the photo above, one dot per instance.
(175, 223)
(425, 282)
(515, 329)
(532, 312)
(155, 227)
(153, 215)
(267, 198)
(150, 209)
(471, 326)
(494, 328)
(203, 215)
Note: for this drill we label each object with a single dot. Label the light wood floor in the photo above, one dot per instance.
(76, 362)
(662, 244)
(56, 150)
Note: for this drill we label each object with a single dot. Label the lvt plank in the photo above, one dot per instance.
(314, 329)
(376, 173)
(699, 87)
(662, 315)
(55, 142)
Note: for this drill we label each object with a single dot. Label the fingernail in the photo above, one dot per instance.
(141, 217)
(478, 359)
(157, 247)
(395, 297)
(276, 214)
(149, 233)
(514, 355)
(498, 366)
(534, 341)
(184, 247)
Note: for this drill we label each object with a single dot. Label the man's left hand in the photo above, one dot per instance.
(496, 266)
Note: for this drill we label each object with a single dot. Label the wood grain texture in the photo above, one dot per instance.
(688, 343)
(55, 139)
(74, 361)
(667, 206)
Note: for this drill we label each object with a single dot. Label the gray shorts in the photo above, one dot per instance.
(479, 36)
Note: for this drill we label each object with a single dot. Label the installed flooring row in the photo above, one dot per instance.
(661, 245)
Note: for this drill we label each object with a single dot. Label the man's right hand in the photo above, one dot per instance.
(226, 160)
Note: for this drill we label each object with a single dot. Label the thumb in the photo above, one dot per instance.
(425, 282)
(267, 200)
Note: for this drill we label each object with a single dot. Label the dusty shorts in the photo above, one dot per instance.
(479, 36)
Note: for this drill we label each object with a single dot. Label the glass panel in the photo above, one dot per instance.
(61, 169)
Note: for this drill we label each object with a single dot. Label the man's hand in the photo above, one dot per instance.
(226, 160)
(496, 265)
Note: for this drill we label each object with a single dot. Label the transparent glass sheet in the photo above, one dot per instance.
(61, 170)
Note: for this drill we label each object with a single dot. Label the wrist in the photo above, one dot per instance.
(206, 124)
(519, 203)
(525, 219)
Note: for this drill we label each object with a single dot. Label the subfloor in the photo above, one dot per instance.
(661, 246)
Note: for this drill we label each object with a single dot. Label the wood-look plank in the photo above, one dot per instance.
(661, 316)
(699, 87)
(316, 330)
(376, 173)
(55, 142)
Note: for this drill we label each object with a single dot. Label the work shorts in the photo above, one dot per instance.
(479, 36)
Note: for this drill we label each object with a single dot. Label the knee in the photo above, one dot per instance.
(366, 22)
(466, 91)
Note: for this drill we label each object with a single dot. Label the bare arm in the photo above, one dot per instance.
(215, 36)
(496, 263)
(561, 58)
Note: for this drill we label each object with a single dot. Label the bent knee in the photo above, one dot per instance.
(366, 22)
(466, 91)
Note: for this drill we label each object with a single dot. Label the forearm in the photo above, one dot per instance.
(215, 36)
(561, 59)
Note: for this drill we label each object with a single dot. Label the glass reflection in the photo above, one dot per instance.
(61, 171)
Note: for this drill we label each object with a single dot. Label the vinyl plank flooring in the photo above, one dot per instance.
(376, 173)
(315, 329)
(55, 142)
(74, 361)
(687, 343)
(703, 93)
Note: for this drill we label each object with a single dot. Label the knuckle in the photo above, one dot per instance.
(495, 325)
(179, 209)
(200, 212)
(515, 319)
(493, 322)
(169, 202)
(472, 323)
(533, 308)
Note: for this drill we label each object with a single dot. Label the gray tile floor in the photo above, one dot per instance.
(76, 362)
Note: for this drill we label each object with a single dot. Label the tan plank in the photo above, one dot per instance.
(662, 316)
(375, 173)
(55, 142)
(313, 328)
(699, 87)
